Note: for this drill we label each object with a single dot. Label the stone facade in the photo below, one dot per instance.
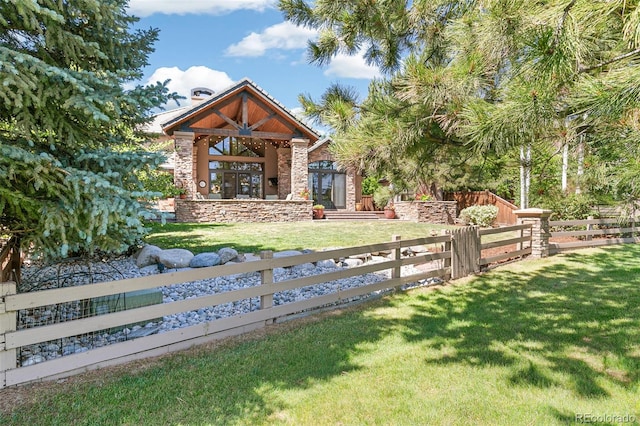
(284, 172)
(440, 212)
(243, 211)
(299, 167)
(185, 167)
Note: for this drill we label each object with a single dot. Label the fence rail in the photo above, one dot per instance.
(522, 242)
(460, 252)
(581, 233)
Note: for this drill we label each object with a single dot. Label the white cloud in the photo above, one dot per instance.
(197, 76)
(351, 67)
(182, 7)
(285, 36)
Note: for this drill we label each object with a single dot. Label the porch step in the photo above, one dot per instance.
(348, 215)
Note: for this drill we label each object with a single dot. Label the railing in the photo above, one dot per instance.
(11, 303)
(522, 243)
(592, 233)
(457, 253)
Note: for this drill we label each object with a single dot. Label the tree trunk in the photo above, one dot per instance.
(565, 166)
(525, 176)
(580, 163)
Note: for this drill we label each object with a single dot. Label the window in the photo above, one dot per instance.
(242, 176)
(240, 147)
(328, 186)
(233, 179)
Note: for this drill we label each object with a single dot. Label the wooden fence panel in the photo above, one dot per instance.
(461, 255)
(12, 339)
(592, 233)
(465, 252)
(522, 243)
(480, 198)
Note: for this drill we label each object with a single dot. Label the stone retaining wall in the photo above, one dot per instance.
(243, 211)
(440, 212)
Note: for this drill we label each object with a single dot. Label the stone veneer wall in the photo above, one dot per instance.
(284, 172)
(185, 158)
(299, 167)
(441, 212)
(242, 211)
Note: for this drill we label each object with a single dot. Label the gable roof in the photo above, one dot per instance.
(243, 109)
(321, 142)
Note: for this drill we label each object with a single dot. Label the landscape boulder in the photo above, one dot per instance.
(204, 260)
(175, 258)
(148, 256)
(227, 254)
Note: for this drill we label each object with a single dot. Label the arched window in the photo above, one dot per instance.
(328, 186)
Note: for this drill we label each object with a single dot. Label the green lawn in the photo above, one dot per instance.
(534, 342)
(255, 237)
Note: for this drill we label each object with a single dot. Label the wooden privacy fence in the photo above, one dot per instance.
(464, 244)
(575, 234)
(480, 198)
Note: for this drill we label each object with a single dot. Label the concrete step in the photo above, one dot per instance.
(350, 215)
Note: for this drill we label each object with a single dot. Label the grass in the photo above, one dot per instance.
(534, 342)
(255, 237)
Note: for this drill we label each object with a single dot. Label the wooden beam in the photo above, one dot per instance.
(268, 109)
(238, 133)
(235, 158)
(227, 119)
(261, 122)
(245, 111)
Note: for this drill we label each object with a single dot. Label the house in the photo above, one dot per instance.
(241, 156)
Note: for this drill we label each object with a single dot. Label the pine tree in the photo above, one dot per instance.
(69, 131)
(493, 75)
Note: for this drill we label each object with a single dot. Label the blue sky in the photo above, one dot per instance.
(214, 43)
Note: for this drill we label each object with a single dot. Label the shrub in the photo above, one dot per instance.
(382, 196)
(369, 185)
(569, 207)
(479, 215)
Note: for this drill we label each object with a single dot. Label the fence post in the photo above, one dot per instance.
(539, 220)
(446, 247)
(7, 324)
(396, 255)
(589, 228)
(266, 277)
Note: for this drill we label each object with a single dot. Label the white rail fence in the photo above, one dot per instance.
(439, 262)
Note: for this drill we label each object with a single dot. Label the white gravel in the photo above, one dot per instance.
(79, 273)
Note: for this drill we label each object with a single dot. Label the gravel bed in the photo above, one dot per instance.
(72, 273)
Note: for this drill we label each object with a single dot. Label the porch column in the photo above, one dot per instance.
(284, 172)
(184, 172)
(539, 219)
(299, 166)
(353, 195)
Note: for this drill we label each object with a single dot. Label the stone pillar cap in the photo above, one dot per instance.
(533, 212)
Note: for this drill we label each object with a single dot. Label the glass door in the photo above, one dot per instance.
(328, 189)
(229, 185)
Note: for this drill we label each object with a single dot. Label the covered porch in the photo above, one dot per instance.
(240, 156)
